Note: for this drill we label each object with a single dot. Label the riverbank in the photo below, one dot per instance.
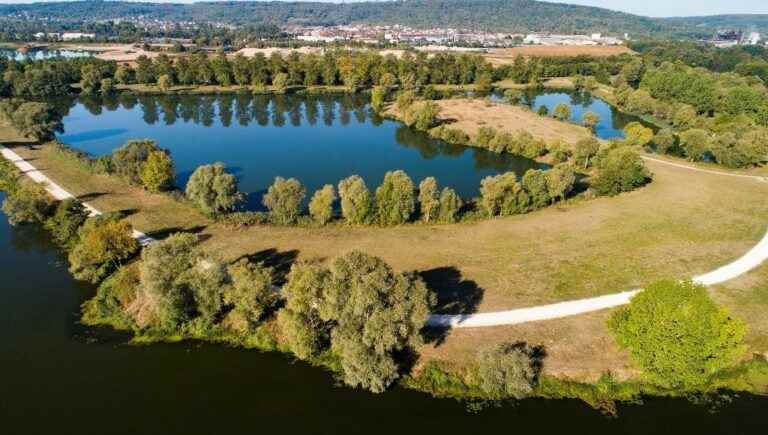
(619, 243)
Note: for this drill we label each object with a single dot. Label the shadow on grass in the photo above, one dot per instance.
(93, 195)
(166, 232)
(455, 295)
(280, 262)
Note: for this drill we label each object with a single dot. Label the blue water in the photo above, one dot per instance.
(319, 140)
(612, 121)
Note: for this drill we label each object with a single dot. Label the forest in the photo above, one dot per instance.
(487, 15)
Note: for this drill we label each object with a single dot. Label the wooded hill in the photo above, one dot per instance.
(488, 15)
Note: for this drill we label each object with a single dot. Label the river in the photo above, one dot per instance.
(58, 376)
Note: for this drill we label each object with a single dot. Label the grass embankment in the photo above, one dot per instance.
(682, 224)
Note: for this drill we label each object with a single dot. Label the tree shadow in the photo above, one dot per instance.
(280, 262)
(91, 196)
(166, 232)
(455, 296)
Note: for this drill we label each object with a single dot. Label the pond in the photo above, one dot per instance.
(61, 377)
(612, 121)
(317, 139)
(42, 53)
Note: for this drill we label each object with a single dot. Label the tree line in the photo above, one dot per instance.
(719, 117)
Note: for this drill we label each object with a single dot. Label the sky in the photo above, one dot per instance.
(652, 8)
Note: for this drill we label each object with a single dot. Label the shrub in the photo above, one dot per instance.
(696, 143)
(321, 205)
(283, 199)
(38, 120)
(164, 82)
(513, 96)
(250, 293)
(213, 190)
(378, 93)
(300, 324)
(356, 202)
(404, 100)
(453, 135)
(165, 300)
(562, 112)
(620, 170)
(429, 93)
(129, 159)
(506, 370)
(9, 176)
(104, 242)
(502, 195)
(422, 116)
(244, 219)
(66, 221)
(429, 199)
(107, 86)
(157, 172)
(585, 150)
(543, 110)
(280, 81)
(535, 184)
(560, 181)
(559, 151)
(590, 120)
(637, 134)
(26, 204)
(678, 335)
(665, 141)
(484, 136)
(450, 204)
(395, 202)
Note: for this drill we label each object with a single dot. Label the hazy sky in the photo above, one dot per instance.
(654, 8)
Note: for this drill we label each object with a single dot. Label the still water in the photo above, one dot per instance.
(59, 377)
(318, 140)
(39, 54)
(612, 121)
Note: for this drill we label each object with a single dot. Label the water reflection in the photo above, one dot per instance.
(42, 53)
(319, 139)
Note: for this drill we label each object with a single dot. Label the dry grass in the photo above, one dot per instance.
(553, 83)
(469, 115)
(682, 224)
(505, 56)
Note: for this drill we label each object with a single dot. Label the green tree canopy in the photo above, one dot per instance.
(213, 190)
(678, 335)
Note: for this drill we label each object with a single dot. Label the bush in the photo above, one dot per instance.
(695, 143)
(506, 370)
(429, 199)
(378, 94)
(244, 219)
(665, 141)
(484, 136)
(213, 190)
(28, 203)
(620, 170)
(560, 181)
(637, 134)
(678, 335)
(38, 120)
(450, 204)
(103, 243)
(422, 116)
(66, 221)
(502, 195)
(590, 120)
(157, 172)
(128, 160)
(356, 202)
(9, 176)
(395, 202)
(535, 184)
(283, 199)
(513, 96)
(300, 324)
(321, 205)
(585, 150)
(452, 135)
(250, 293)
(562, 112)
(404, 100)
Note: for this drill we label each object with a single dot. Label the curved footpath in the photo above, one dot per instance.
(756, 256)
